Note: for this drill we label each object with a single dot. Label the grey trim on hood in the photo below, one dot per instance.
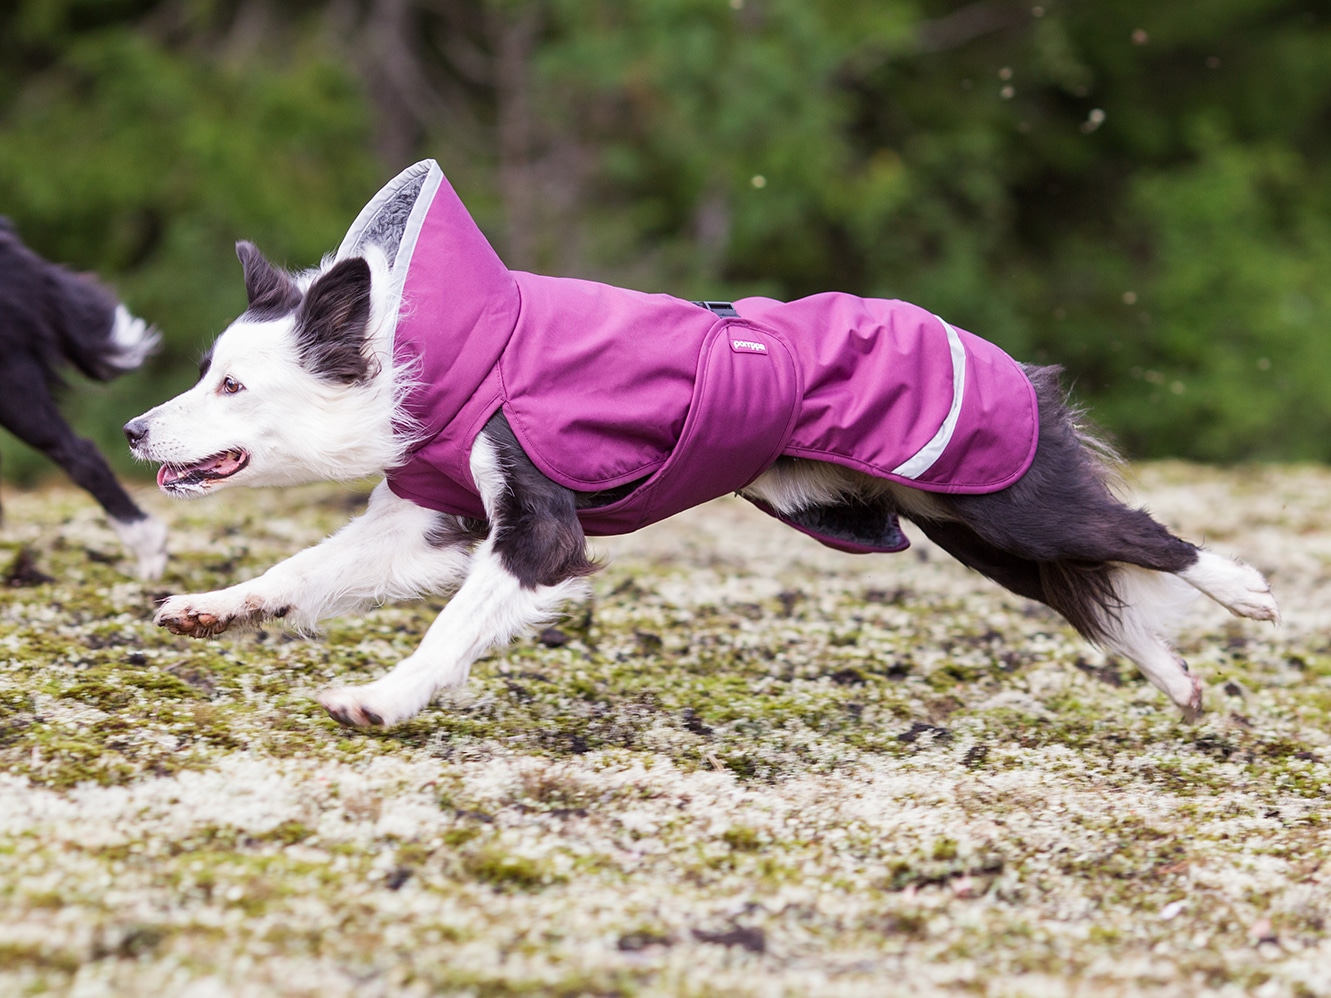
(392, 220)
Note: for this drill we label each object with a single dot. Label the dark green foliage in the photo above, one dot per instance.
(1138, 191)
(144, 159)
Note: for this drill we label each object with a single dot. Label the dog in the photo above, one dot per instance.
(52, 318)
(513, 414)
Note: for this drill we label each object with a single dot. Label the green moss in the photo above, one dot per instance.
(1006, 784)
(51, 900)
(69, 761)
(412, 854)
(741, 838)
(287, 833)
(459, 836)
(38, 957)
(945, 849)
(507, 871)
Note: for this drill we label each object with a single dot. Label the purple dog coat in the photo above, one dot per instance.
(606, 387)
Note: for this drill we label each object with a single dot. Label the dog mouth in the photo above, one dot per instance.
(198, 475)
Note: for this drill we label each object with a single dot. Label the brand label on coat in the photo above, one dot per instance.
(748, 346)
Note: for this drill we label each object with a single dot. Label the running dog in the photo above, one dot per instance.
(514, 414)
(51, 318)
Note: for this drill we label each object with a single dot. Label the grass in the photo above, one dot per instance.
(750, 766)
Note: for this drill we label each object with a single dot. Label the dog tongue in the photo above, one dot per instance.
(217, 466)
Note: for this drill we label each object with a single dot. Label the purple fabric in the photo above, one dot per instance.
(878, 384)
(605, 386)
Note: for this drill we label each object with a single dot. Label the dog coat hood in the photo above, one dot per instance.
(666, 400)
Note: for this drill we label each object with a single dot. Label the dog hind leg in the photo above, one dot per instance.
(1062, 510)
(1150, 609)
(1115, 572)
(1122, 608)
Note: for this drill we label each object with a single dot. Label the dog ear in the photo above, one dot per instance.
(271, 293)
(330, 328)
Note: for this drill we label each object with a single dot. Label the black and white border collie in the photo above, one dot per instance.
(51, 318)
(275, 406)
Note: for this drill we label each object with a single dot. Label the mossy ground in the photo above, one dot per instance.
(750, 766)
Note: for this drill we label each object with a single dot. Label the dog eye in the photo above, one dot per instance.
(230, 386)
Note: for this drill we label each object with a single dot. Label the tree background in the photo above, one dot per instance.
(1136, 190)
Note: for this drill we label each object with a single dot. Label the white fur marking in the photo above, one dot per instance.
(296, 427)
(132, 339)
(792, 485)
(490, 609)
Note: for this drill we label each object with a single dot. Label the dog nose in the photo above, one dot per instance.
(136, 430)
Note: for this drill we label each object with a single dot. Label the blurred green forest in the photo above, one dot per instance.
(1140, 191)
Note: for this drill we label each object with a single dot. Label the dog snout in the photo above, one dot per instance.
(136, 431)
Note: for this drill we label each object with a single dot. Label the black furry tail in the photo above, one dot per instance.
(61, 317)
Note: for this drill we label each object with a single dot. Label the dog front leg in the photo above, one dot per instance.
(491, 608)
(534, 560)
(396, 550)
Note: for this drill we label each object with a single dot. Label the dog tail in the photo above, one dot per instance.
(72, 318)
(97, 334)
(131, 341)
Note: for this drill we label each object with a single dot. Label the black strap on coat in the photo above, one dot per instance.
(722, 308)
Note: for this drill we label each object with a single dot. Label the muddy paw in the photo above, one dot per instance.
(345, 708)
(179, 617)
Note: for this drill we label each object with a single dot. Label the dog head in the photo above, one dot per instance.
(297, 389)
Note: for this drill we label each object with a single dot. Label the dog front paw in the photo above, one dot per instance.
(194, 617)
(345, 706)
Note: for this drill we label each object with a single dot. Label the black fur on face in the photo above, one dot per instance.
(271, 293)
(331, 321)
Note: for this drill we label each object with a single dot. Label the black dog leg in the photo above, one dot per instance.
(32, 416)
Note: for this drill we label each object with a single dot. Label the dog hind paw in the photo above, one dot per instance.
(1239, 588)
(1192, 709)
(1166, 671)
